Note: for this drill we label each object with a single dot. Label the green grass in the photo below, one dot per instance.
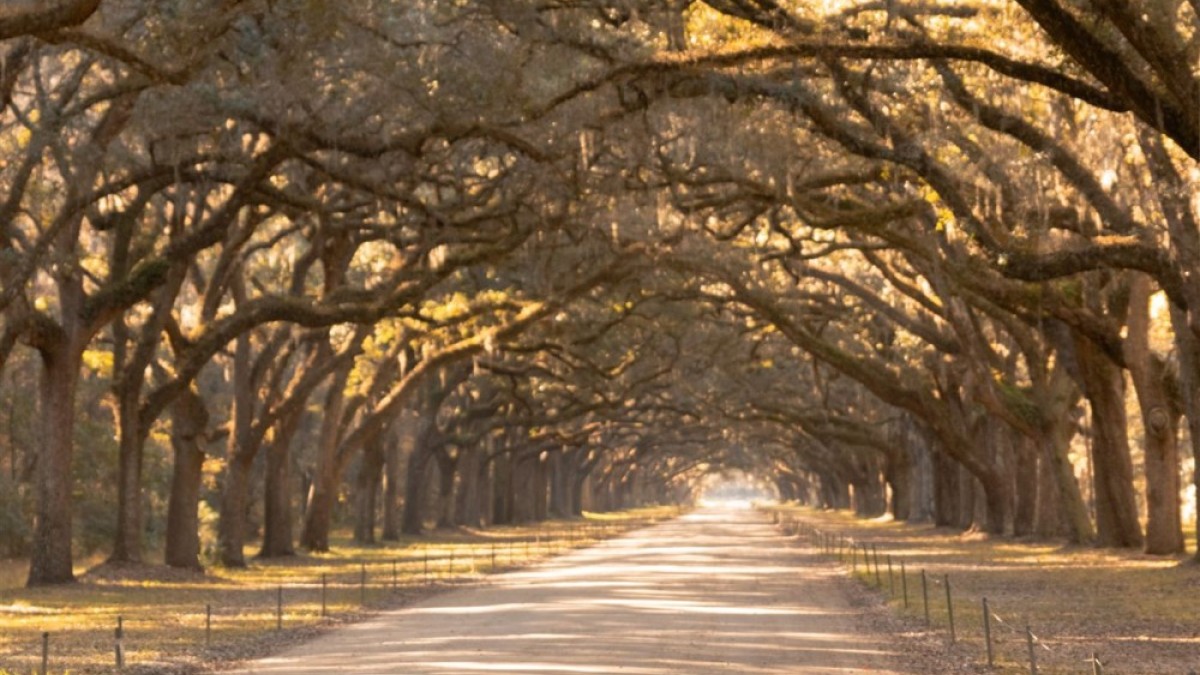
(1137, 612)
(164, 611)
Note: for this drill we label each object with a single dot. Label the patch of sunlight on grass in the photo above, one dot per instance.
(165, 611)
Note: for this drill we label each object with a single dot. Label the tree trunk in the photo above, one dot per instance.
(127, 544)
(392, 493)
(50, 555)
(370, 472)
(231, 529)
(946, 491)
(1074, 511)
(413, 521)
(189, 424)
(1112, 468)
(521, 488)
(402, 439)
(277, 495)
(1049, 521)
(539, 480)
(898, 474)
(560, 484)
(446, 470)
(1025, 484)
(502, 511)
(1187, 346)
(579, 490)
(466, 506)
(1160, 420)
(322, 495)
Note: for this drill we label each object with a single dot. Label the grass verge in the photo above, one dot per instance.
(1136, 612)
(178, 621)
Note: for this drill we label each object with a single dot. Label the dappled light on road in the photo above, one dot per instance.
(714, 591)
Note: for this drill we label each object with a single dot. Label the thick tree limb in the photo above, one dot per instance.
(30, 17)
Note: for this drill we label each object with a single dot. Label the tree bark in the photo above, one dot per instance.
(413, 520)
(277, 493)
(466, 506)
(898, 474)
(50, 555)
(370, 472)
(1188, 348)
(189, 424)
(539, 480)
(127, 545)
(1160, 421)
(231, 529)
(447, 466)
(946, 491)
(318, 513)
(1025, 480)
(1112, 474)
(502, 511)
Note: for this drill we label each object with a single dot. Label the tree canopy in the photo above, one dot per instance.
(299, 263)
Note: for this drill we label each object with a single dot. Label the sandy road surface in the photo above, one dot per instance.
(716, 591)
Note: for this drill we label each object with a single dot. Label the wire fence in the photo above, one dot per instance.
(322, 597)
(863, 560)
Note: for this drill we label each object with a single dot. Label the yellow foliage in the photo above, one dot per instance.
(98, 361)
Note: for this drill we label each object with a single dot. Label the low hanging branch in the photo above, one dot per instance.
(31, 17)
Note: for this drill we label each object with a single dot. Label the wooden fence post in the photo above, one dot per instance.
(925, 595)
(1033, 670)
(949, 607)
(987, 633)
(119, 647)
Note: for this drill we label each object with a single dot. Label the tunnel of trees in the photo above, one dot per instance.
(271, 268)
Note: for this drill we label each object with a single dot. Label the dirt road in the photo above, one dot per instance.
(716, 591)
